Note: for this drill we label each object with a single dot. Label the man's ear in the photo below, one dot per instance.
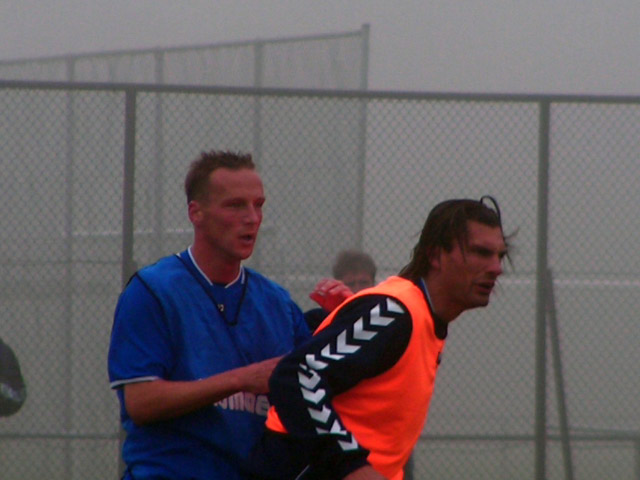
(195, 212)
(434, 258)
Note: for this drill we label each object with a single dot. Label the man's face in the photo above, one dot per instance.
(357, 281)
(228, 221)
(469, 276)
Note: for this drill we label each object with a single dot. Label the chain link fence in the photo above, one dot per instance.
(325, 61)
(91, 180)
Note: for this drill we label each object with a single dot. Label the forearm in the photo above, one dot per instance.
(162, 399)
(365, 473)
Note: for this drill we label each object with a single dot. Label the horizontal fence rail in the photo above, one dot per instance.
(91, 186)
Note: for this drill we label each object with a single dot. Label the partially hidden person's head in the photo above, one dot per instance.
(225, 196)
(355, 269)
(463, 244)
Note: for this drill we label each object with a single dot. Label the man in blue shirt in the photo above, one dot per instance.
(196, 336)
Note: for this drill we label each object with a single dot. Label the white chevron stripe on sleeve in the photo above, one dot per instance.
(343, 346)
(313, 397)
(326, 353)
(308, 381)
(394, 306)
(320, 415)
(359, 333)
(378, 319)
(348, 446)
(314, 363)
(337, 428)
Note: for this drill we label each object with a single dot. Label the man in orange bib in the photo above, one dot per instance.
(351, 403)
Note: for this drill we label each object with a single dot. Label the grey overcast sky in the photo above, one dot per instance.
(507, 46)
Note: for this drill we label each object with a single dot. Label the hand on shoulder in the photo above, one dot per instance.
(329, 293)
(366, 472)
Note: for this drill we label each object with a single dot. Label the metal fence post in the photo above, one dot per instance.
(541, 274)
(636, 444)
(565, 436)
(68, 268)
(159, 160)
(128, 263)
(362, 133)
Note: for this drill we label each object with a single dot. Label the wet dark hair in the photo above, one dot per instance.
(196, 182)
(446, 226)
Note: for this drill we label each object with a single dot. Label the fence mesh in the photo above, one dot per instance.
(340, 170)
(333, 61)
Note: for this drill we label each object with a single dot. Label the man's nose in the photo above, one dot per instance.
(496, 265)
(252, 215)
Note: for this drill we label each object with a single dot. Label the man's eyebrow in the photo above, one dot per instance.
(480, 248)
(477, 247)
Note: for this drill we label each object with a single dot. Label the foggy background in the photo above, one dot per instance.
(468, 147)
(546, 46)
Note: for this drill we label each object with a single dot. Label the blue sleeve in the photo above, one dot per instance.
(141, 347)
(366, 337)
(301, 330)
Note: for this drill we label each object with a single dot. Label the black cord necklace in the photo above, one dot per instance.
(218, 306)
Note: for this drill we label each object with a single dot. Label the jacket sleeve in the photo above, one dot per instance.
(12, 389)
(366, 337)
(302, 333)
